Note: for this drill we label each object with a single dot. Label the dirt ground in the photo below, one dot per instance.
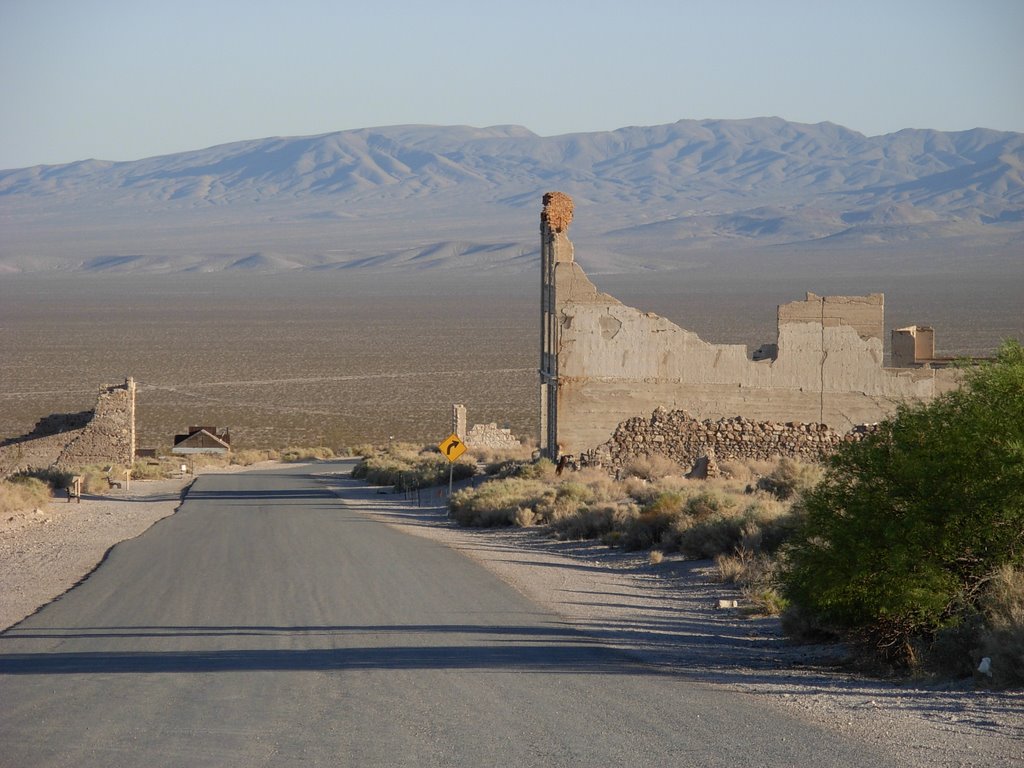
(665, 613)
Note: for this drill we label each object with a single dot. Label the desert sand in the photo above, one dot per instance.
(665, 613)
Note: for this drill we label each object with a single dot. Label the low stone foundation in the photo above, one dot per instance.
(682, 438)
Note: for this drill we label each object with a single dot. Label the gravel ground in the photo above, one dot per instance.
(665, 613)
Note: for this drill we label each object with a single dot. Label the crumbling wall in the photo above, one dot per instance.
(491, 436)
(603, 362)
(482, 435)
(105, 435)
(685, 440)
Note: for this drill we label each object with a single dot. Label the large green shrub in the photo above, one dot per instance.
(901, 536)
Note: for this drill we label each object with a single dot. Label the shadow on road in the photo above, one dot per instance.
(510, 651)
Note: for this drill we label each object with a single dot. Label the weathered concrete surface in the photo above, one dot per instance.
(609, 362)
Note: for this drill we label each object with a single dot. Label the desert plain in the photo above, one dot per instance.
(341, 359)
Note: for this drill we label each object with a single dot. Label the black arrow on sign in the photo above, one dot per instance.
(451, 446)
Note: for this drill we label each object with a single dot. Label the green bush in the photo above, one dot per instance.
(908, 525)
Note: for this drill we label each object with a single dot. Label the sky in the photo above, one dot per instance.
(126, 79)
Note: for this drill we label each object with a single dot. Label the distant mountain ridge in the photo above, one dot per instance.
(426, 197)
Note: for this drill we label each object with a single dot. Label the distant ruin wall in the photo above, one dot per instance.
(105, 435)
(603, 362)
(482, 435)
(684, 439)
(491, 436)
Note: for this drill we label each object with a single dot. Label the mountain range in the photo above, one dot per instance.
(710, 194)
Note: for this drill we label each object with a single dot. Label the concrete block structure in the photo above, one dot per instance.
(602, 362)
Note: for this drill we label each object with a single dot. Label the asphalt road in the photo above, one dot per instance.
(269, 623)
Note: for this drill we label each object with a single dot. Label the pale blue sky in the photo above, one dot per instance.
(124, 79)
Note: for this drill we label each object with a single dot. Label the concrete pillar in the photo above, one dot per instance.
(555, 247)
(130, 386)
(459, 420)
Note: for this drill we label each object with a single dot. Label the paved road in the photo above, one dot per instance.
(269, 623)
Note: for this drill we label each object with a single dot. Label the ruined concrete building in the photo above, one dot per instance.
(104, 435)
(603, 363)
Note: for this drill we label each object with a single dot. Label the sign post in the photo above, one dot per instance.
(451, 448)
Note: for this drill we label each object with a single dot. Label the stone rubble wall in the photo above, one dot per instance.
(491, 436)
(106, 435)
(684, 439)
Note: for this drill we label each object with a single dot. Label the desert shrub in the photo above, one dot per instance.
(541, 469)
(770, 525)
(907, 525)
(22, 493)
(592, 522)
(652, 466)
(295, 454)
(408, 468)
(567, 499)
(790, 477)
(248, 457)
(646, 527)
(745, 470)
(757, 576)
(704, 539)
(497, 502)
(705, 505)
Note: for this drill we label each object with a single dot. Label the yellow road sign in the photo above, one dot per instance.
(452, 447)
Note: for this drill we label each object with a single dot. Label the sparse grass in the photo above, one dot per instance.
(23, 493)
